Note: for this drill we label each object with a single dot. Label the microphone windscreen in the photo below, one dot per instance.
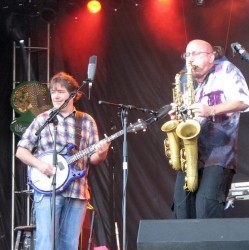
(92, 67)
(163, 111)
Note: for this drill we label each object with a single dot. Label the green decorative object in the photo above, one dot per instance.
(28, 100)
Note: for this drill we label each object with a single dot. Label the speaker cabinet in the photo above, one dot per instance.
(194, 234)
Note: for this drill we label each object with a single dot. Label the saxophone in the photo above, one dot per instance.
(181, 142)
(172, 142)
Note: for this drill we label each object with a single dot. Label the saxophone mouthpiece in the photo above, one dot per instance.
(191, 66)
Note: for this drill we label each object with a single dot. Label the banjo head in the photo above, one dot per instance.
(43, 183)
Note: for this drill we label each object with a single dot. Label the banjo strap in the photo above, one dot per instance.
(78, 126)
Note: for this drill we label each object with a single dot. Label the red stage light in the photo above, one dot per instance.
(163, 1)
(94, 6)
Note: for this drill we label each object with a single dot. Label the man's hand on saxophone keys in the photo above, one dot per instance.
(172, 112)
(201, 110)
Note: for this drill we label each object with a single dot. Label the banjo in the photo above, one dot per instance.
(65, 173)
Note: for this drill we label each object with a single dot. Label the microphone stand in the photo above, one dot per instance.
(55, 122)
(156, 115)
(124, 117)
(91, 228)
(53, 119)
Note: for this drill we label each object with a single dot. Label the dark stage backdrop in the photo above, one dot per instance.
(138, 51)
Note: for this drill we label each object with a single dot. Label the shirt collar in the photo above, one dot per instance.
(73, 113)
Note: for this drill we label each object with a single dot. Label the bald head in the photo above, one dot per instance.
(201, 55)
(201, 44)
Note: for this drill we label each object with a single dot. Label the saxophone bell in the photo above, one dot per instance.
(172, 144)
(188, 131)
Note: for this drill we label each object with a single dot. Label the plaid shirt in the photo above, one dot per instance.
(65, 135)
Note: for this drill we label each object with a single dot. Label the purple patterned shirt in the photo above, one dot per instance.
(65, 134)
(218, 137)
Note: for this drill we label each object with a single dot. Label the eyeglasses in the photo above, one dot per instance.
(193, 53)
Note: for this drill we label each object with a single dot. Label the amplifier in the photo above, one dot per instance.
(238, 191)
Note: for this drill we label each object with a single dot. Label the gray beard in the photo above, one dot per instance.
(198, 77)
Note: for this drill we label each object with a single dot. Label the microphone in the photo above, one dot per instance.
(160, 114)
(91, 73)
(236, 47)
(163, 111)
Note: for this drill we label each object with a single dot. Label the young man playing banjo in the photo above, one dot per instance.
(36, 151)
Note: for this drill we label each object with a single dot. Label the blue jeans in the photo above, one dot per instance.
(69, 217)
